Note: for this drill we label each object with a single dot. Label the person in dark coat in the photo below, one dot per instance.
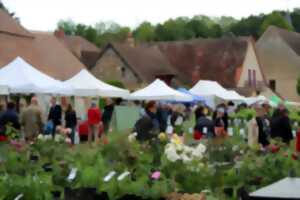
(55, 115)
(281, 126)
(107, 114)
(262, 126)
(163, 113)
(147, 127)
(71, 121)
(204, 125)
(9, 117)
(223, 119)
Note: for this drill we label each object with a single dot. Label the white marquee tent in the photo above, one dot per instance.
(85, 84)
(3, 90)
(207, 88)
(20, 77)
(159, 90)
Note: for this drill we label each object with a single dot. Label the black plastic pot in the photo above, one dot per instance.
(243, 194)
(56, 194)
(228, 191)
(84, 193)
(47, 167)
(33, 157)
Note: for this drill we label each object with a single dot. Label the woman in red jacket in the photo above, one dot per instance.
(94, 121)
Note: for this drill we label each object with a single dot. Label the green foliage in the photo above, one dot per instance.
(275, 19)
(145, 32)
(116, 83)
(182, 28)
(244, 114)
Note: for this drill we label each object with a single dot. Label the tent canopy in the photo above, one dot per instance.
(159, 90)
(21, 77)
(3, 90)
(212, 88)
(85, 84)
(287, 188)
(195, 98)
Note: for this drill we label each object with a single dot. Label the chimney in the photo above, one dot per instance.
(60, 34)
(130, 40)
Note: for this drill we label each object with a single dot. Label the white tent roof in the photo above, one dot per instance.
(287, 188)
(212, 88)
(255, 100)
(85, 84)
(21, 77)
(3, 90)
(159, 90)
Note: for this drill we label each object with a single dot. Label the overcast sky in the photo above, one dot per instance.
(44, 14)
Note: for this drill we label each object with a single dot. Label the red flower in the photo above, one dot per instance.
(3, 138)
(197, 135)
(294, 156)
(275, 149)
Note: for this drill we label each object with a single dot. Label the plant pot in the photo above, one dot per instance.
(101, 196)
(243, 194)
(228, 191)
(56, 194)
(47, 167)
(34, 158)
(80, 193)
(131, 197)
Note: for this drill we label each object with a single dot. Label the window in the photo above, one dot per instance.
(123, 71)
(252, 78)
(272, 84)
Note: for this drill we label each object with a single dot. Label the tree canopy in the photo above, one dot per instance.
(184, 28)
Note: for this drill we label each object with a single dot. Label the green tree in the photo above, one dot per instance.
(295, 15)
(247, 26)
(275, 19)
(91, 34)
(144, 32)
(68, 26)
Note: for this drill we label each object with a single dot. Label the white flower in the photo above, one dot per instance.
(40, 137)
(171, 152)
(201, 148)
(132, 137)
(68, 140)
(47, 137)
(185, 158)
(235, 148)
(58, 138)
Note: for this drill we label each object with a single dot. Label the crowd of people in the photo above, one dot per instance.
(155, 117)
(266, 124)
(30, 122)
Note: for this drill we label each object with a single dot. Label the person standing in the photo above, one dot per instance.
(55, 115)
(9, 117)
(107, 114)
(281, 126)
(71, 121)
(94, 122)
(220, 122)
(31, 120)
(147, 127)
(204, 126)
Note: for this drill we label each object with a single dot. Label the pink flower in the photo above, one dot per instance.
(155, 175)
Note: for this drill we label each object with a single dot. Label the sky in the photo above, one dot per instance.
(44, 14)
